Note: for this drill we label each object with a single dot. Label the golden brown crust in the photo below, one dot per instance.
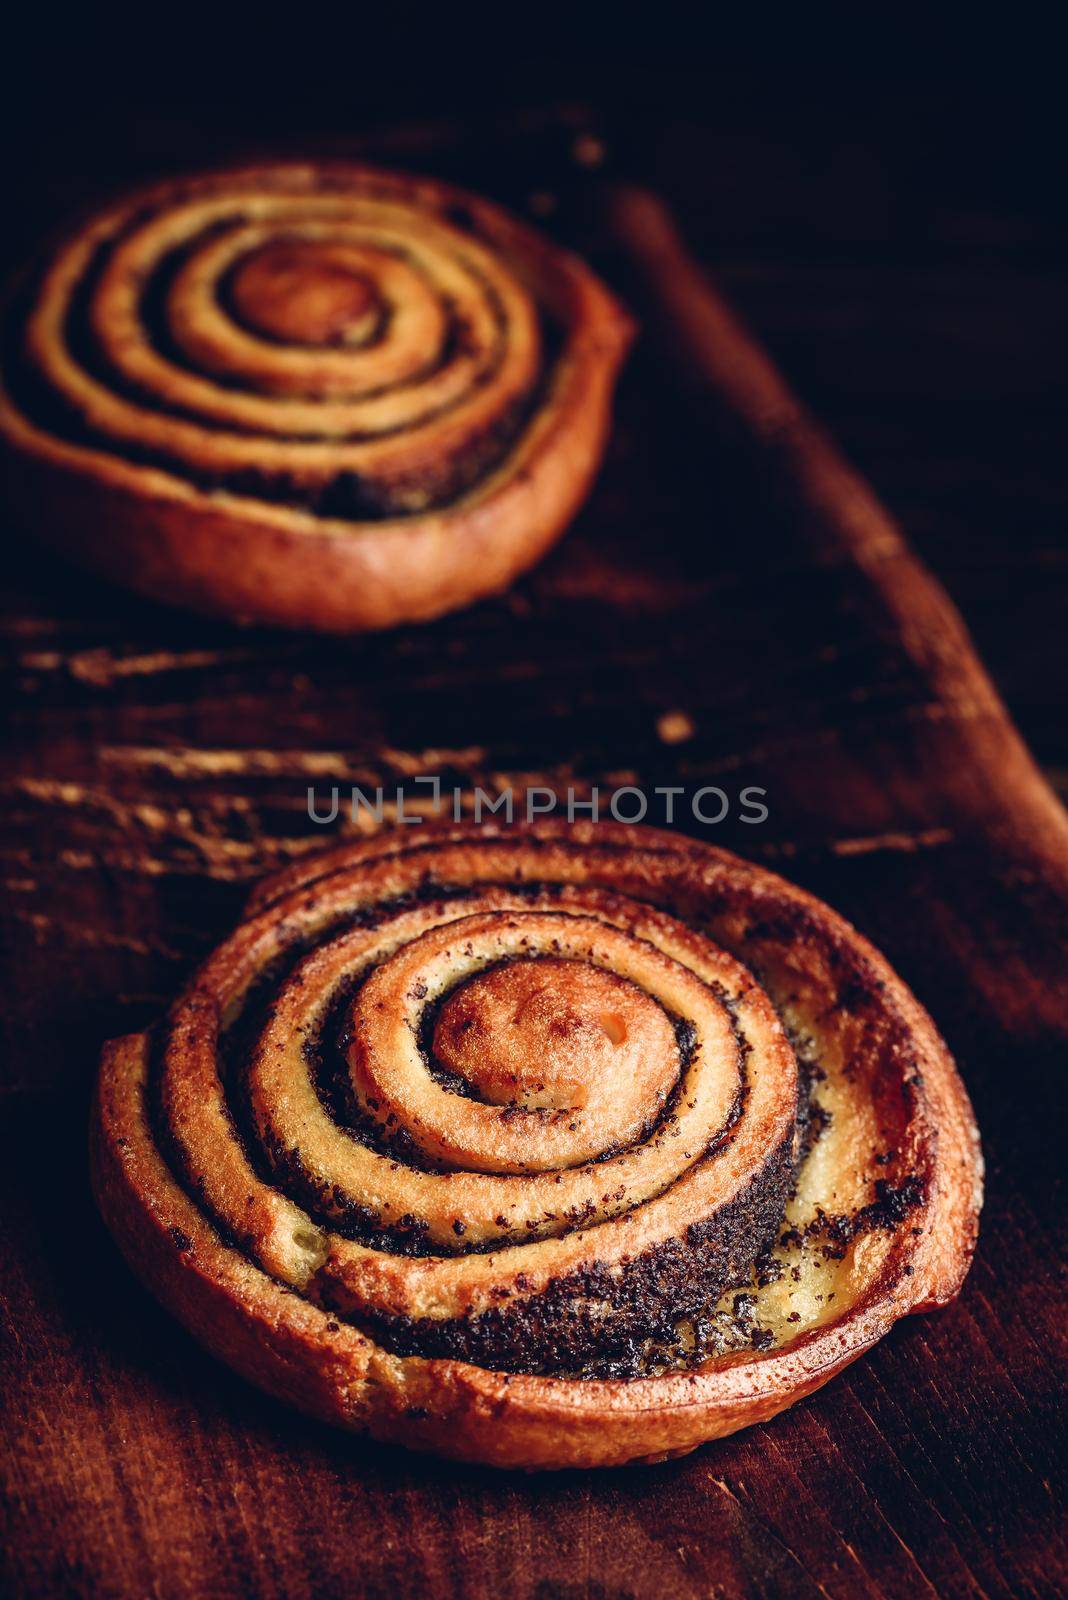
(325, 396)
(218, 1144)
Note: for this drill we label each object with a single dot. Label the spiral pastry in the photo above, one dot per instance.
(539, 1146)
(323, 396)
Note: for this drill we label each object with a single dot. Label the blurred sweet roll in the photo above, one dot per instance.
(325, 396)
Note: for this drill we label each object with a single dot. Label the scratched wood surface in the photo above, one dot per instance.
(731, 611)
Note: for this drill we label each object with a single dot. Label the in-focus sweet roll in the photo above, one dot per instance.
(326, 396)
(541, 1146)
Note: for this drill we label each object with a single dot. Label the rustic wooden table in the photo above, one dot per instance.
(155, 763)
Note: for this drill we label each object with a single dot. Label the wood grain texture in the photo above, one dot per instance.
(730, 568)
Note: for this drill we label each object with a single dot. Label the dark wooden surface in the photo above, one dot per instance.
(155, 763)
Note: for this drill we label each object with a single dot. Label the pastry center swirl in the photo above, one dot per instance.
(298, 293)
(555, 1035)
(564, 1020)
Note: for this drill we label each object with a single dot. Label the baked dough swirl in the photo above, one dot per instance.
(311, 395)
(539, 1146)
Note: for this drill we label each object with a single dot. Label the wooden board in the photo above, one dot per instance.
(733, 609)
